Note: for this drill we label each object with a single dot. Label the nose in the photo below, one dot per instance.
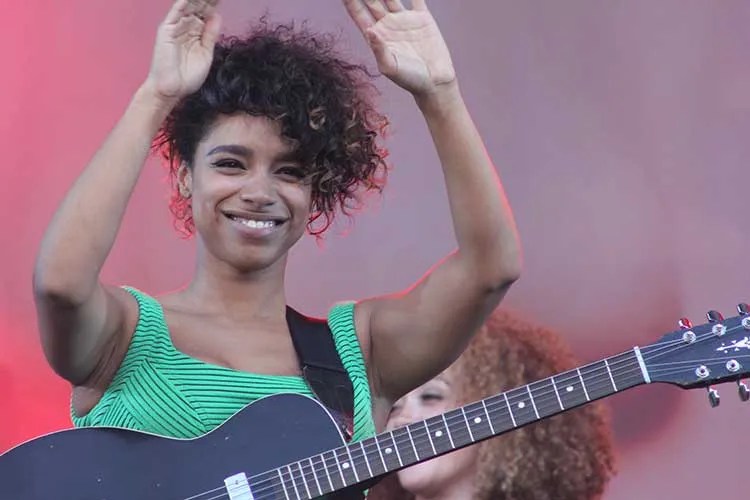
(258, 189)
(404, 413)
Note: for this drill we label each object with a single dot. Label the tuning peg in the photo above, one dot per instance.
(714, 316)
(743, 390)
(713, 397)
(743, 309)
(685, 324)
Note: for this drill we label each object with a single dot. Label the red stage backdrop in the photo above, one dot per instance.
(621, 132)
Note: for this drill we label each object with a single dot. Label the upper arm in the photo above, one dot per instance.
(81, 338)
(416, 334)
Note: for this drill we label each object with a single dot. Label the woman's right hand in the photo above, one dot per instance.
(184, 49)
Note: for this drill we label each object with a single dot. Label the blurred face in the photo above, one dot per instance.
(249, 201)
(448, 474)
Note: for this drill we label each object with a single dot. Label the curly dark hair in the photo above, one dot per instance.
(566, 457)
(323, 104)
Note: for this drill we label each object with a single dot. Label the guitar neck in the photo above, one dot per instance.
(370, 458)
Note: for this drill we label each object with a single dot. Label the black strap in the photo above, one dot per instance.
(322, 368)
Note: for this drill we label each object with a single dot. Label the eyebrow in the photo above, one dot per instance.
(234, 149)
(239, 150)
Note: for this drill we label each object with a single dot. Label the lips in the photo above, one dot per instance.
(255, 225)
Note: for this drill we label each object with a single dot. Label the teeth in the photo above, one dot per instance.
(257, 224)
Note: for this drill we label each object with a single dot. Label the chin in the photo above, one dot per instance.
(421, 478)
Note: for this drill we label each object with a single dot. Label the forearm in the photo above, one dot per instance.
(84, 228)
(487, 238)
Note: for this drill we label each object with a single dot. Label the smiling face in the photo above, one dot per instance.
(450, 475)
(248, 194)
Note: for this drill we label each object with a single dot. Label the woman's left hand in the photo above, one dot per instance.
(407, 43)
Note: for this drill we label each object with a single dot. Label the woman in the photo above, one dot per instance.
(565, 457)
(266, 136)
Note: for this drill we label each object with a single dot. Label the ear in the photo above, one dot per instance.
(185, 180)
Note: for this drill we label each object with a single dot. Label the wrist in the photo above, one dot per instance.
(148, 97)
(442, 100)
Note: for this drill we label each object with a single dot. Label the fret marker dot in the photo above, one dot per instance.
(569, 388)
(521, 404)
(388, 451)
(477, 420)
(438, 433)
(345, 465)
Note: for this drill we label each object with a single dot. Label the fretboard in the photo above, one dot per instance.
(390, 451)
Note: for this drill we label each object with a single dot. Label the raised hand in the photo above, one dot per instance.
(407, 43)
(184, 48)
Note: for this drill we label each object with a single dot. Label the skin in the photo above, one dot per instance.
(450, 476)
(238, 284)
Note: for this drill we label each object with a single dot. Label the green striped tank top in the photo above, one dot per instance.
(160, 390)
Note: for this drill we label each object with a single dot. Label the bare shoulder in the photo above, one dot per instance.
(123, 310)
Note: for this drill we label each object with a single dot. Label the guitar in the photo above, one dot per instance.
(287, 446)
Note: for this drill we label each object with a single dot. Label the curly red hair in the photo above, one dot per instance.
(566, 457)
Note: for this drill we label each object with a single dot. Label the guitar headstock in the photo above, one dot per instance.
(714, 352)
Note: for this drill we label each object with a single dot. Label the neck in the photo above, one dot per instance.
(463, 489)
(219, 288)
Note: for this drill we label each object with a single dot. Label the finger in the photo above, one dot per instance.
(211, 31)
(394, 5)
(376, 8)
(418, 5)
(385, 57)
(359, 13)
(176, 12)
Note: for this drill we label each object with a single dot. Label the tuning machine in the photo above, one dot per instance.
(713, 397)
(743, 390)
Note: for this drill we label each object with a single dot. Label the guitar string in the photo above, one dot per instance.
(654, 352)
(632, 368)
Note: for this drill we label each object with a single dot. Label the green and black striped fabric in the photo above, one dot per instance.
(160, 390)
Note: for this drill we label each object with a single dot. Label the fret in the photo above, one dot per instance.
(448, 431)
(366, 459)
(351, 462)
(293, 481)
(283, 477)
(498, 410)
(319, 465)
(557, 393)
(345, 466)
(388, 452)
(533, 403)
(382, 467)
(477, 420)
(468, 426)
(583, 386)
(308, 471)
(439, 434)
(409, 449)
(299, 479)
(546, 399)
(359, 461)
(429, 438)
(333, 470)
(420, 438)
(626, 370)
(597, 380)
(412, 447)
(521, 406)
(510, 412)
(610, 375)
(571, 389)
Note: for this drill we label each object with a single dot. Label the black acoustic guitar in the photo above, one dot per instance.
(288, 447)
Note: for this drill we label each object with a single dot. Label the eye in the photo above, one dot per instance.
(227, 163)
(293, 172)
(431, 396)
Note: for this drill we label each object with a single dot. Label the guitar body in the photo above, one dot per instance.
(119, 464)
